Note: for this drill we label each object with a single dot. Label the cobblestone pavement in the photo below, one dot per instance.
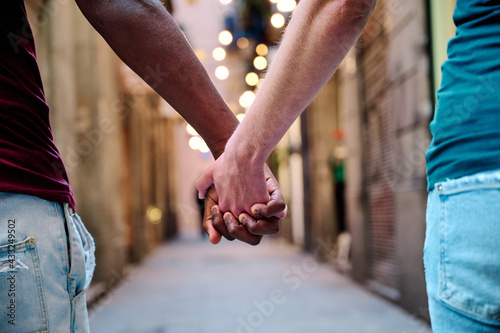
(192, 286)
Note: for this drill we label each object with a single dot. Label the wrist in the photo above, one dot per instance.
(245, 152)
(217, 148)
(221, 134)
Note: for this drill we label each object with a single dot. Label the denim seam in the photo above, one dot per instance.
(39, 282)
(73, 307)
(442, 247)
(63, 232)
(471, 187)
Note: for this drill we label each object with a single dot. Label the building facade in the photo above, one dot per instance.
(363, 144)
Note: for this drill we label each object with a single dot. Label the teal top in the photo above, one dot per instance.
(466, 125)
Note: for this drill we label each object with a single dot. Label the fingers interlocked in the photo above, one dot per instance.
(246, 228)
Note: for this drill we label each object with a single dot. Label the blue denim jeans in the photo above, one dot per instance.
(462, 254)
(46, 264)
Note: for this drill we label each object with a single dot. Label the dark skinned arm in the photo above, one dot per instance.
(146, 38)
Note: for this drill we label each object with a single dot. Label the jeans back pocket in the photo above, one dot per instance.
(21, 297)
(469, 267)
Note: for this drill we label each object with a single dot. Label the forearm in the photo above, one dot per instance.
(145, 37)
(317, 39)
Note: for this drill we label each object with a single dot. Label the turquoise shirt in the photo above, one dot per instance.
(466, 125)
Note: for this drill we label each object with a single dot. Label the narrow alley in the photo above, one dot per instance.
(190, 285)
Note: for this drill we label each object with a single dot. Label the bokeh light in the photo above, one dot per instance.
(195, 142)
(261, 49)
(225, 2)
(154, 214)
(247, 99)
(242, 43)
(240, 117)
(260, 63)
(219, 54)
(225, 37)
(221, 72)
(277, 20)
(204, 148)
(252, 79)
(191, 130)
(286, 6)
(200, 54)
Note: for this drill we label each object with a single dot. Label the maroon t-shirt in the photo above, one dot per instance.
(29, 161)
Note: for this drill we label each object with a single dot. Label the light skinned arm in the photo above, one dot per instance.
(146, 38)
(317, 39)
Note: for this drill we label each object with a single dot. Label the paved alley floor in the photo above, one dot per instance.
(191, 286)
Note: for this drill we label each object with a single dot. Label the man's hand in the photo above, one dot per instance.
(248, 229)
(240, 185)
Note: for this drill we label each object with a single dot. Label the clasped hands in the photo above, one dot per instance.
(243, 200)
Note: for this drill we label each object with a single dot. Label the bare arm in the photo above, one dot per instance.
(319, 35)
(146, 38)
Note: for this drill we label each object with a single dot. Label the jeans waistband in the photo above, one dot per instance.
(483, 180)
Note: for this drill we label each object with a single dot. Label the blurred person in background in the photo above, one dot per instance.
(461, 254)
(46, 254)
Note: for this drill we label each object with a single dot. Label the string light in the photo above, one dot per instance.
(191, 130)
(242, 42)
(286, 6)
(204, 148)
(261, 49)
(221, 72)
(195, 142)
(252, 79)
(277, 20)
(260, 62)
(225, 37)
(219, 54)
(247, 99)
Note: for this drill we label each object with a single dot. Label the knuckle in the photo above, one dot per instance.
(251, 227)
(218, 224)
(232, 230)
(274, 229)
(255, 241)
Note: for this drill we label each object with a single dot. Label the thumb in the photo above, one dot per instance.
(204, 182)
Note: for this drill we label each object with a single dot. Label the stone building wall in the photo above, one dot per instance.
(390, 187)
(381, 99)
